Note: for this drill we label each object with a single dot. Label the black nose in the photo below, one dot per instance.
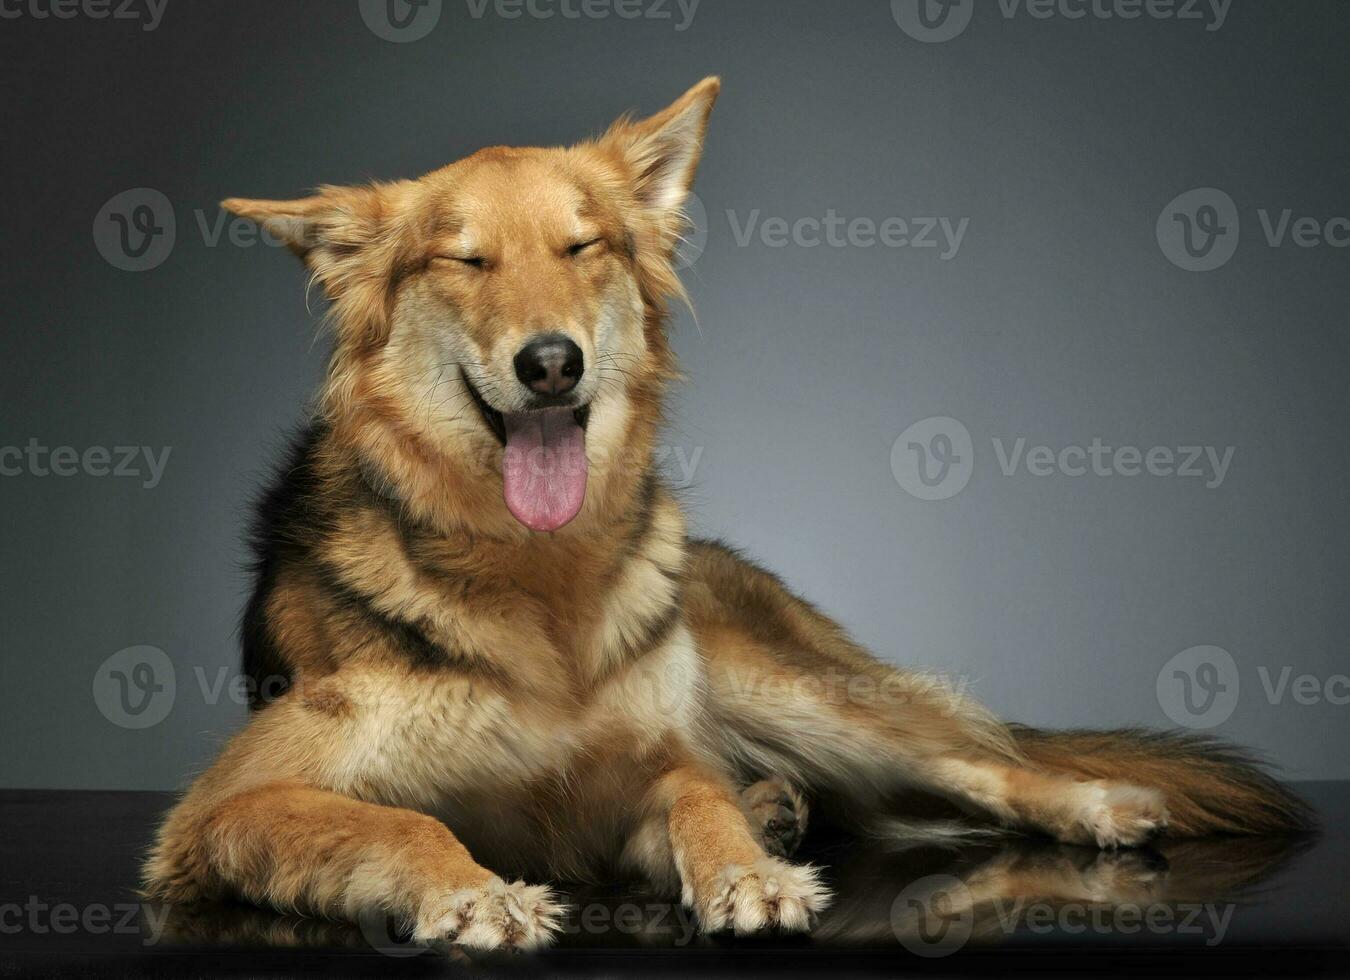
(550, 364)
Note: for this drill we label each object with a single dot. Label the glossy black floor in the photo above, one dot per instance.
(1219, 907)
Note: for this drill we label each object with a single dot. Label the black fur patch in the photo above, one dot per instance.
(292, 519)
(284, 526)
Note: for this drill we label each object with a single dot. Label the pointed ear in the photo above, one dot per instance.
(336, 218)
(349, 238)
(663, 151)
(293, 222)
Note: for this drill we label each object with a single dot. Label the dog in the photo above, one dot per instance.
(497, 658)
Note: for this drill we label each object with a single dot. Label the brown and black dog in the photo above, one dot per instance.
(499, 652)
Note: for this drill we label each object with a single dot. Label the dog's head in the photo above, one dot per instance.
(509, 307)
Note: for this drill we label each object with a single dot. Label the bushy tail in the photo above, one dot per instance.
(1211, 787)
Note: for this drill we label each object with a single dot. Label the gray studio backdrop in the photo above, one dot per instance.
(1021, 345)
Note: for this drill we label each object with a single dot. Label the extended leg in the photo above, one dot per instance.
(254, 827)
(793, 695)
(308, 850)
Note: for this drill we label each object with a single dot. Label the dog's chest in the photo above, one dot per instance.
(449, 735)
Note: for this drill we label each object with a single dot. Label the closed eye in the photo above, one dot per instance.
(580, 247)
(475, 261)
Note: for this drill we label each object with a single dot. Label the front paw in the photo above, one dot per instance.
(495, 916)
(765, 895)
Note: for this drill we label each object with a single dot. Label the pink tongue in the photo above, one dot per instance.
(544, 467)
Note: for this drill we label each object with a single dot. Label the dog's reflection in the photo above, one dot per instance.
(947, 898)
(927, 898)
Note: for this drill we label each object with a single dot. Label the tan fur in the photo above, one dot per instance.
(471, 699)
